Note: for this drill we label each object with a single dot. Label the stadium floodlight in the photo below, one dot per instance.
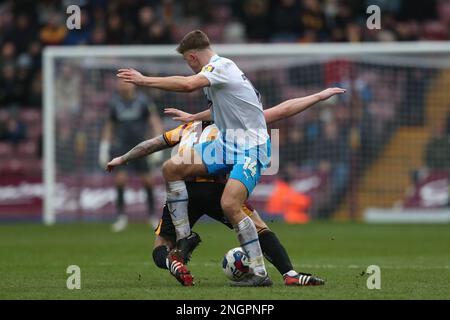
(78, 81)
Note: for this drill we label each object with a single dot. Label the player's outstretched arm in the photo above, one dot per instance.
(283, 110)
(186, 117)
(292, 107)
(174, 83)
(141, 150)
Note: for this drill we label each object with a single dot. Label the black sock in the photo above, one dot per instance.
(274, 251)
(160, 256)
(120, 200)
(150, 200)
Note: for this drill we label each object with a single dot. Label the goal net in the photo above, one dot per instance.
(371, 147)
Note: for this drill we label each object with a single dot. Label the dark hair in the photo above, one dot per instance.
(194, 40)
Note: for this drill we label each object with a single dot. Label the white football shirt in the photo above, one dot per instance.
(236, 106)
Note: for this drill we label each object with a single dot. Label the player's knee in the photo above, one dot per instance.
(171, 170)
(229, 206)
(160, 256)
(167, 168)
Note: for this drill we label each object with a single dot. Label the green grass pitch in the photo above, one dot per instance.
(414, 262)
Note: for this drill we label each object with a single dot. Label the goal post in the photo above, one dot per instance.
(72, 118)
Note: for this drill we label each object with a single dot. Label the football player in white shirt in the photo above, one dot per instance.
(242, 149)
(213, 187)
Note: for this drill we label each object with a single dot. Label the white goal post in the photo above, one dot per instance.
(406, 53)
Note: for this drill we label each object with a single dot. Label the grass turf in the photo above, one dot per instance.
(414, 262)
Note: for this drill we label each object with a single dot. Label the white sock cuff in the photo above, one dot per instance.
(243, 224)
(176, 186)
(290, 273)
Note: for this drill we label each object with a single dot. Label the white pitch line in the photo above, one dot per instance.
(297, 265)
(332, 266)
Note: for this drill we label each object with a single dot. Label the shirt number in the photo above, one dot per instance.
(250, 166)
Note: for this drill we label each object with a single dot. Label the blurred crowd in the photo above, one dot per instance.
(322, 140)
(26, 26)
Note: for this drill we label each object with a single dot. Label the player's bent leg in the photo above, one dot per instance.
(174, 172)
(120, 180)
(178, 168)
(169, 254)
(161, 249)
(163, 258)
(177, 197)
(277, 255)
(271, 247)
(234, 195)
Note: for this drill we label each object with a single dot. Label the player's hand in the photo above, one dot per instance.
(114, 163)
(131, 76)
(328, 93)
(179, 115)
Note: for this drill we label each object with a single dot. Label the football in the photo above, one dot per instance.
(236, 264)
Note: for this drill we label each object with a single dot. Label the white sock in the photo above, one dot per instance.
(177, 203)
(290, 273)
(248, 238)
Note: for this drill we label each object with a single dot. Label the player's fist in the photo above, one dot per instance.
(328, 93)
(179, 115)
(131, 76)
(114, 163)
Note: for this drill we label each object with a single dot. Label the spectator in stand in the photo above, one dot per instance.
(54, 31)
(340, 18)
(8, 54)
(330, 154)
(28, 25)
(9, 94)
(12, 130)
(114, 30)
(22, 33)
(256, 18)
(151, 30)
(285, 21)
(98, 36)
(312, 21)
(146, 19)
(23, 79)
(35, 98)
(34, 52)
(199, 10)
